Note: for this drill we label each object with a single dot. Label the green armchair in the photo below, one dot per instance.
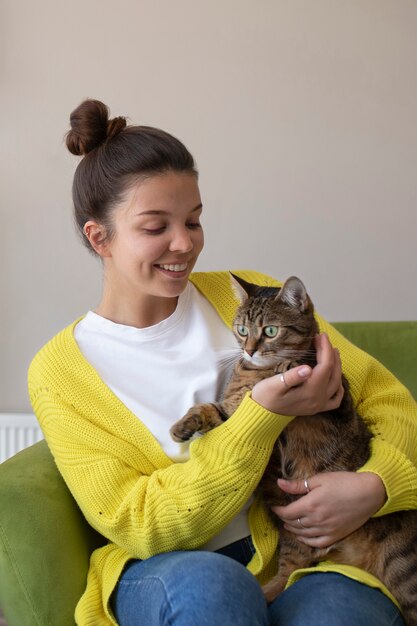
(45, 543)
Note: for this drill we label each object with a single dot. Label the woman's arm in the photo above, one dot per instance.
(341, 502)
(133, 494)
(391, 414)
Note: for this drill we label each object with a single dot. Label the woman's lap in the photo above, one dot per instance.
(206, 588)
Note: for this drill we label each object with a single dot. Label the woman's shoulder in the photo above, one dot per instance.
(58, 350)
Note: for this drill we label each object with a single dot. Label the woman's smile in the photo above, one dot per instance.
(174, 270)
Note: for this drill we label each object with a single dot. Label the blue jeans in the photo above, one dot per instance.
(212, 589)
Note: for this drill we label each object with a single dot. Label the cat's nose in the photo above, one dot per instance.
(250, 352)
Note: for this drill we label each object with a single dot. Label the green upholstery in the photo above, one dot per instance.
(45, 543)
(393, 343)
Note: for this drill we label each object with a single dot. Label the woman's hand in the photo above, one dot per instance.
(304, 390)
(336, 504)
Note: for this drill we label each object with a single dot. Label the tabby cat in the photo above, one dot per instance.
(275, 329)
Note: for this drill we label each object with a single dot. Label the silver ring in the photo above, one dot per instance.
(282, 379)
(301, 523)
(307, 488)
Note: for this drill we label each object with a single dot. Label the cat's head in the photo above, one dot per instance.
(274, 326)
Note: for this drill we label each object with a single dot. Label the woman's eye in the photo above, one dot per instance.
(194, 225)
(154, 231)
(242, 330)
(271, 331)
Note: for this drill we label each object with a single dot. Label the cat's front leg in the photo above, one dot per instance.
(199, 419)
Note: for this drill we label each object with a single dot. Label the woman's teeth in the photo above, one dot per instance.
(179, 267)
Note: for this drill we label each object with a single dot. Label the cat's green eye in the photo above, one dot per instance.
(242, 330)
(271, 331)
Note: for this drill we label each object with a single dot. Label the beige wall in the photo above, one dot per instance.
(301, 115)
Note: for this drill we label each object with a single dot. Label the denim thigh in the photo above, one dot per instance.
(189, 588)
(330, 599)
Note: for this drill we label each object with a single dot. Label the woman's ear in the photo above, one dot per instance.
(97, 236)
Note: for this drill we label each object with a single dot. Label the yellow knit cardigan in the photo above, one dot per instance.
(133, 494)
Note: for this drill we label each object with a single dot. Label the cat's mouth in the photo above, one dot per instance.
(259, 360)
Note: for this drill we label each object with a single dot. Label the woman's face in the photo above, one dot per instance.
(157, 238)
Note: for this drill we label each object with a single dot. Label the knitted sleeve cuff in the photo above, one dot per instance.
(245, 423)
(398, 475)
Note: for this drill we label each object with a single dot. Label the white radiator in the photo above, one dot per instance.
(17, 431)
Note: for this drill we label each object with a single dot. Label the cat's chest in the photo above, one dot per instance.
(245, 378)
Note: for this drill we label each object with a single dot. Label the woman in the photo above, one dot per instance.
(188, 542)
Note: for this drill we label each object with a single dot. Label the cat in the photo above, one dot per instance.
(275, 328)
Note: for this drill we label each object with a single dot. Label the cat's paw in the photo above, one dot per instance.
(199, 419)
(186, 427)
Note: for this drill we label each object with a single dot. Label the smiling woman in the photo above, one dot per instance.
(186, 541)
(150, 244)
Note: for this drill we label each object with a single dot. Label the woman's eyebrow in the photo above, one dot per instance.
(159, 212)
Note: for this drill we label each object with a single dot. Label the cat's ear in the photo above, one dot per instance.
(240, 287)
(295, 294)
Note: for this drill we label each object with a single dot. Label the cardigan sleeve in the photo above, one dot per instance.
(144, 503)
(391, 413)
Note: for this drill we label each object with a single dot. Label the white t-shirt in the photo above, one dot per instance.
(161, 371)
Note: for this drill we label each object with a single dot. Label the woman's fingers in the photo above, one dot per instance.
(282, 393)
(328, 360)
(337, 504)
(335, 380)
(303, 390)
(295, 376)
(327, 375)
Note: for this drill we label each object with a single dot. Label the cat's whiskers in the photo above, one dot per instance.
(230, 355)
(230, 358)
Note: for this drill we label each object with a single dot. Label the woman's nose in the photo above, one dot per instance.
(182, 241)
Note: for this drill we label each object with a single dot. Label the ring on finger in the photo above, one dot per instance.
(301, 523)
(282, 379)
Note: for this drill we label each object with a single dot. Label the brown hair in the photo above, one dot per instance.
(115, 156)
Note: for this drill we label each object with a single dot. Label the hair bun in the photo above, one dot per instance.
(90, 127)
(115, 126)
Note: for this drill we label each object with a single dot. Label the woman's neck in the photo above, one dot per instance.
(138, 314)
